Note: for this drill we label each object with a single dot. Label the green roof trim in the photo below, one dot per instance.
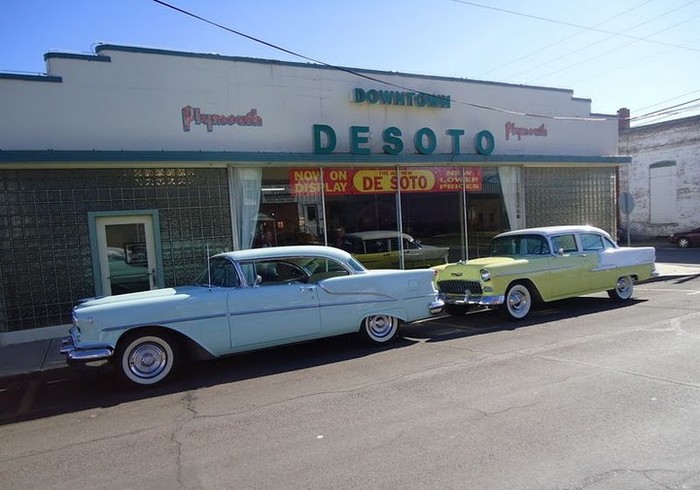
(77, 56)
(30, 78)
(198, 158)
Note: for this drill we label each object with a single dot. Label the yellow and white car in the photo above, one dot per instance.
(544, 264)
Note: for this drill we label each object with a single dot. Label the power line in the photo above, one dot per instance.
(565, 39)
(362, 75)
(579, 26)
(608, 51)
(667, 100)
(605, 39)
(669, 111)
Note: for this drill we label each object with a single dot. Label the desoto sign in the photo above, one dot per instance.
(343, 181)
(424, 140)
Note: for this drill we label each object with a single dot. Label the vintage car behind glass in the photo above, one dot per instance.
(544, 264)
(381, 249)
(247, 300)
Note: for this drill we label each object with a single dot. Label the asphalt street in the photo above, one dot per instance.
(585, 394)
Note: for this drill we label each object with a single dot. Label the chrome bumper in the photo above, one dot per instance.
(80, 354)
(473, 300)
(436, 306)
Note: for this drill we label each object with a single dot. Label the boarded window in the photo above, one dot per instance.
(662, 192)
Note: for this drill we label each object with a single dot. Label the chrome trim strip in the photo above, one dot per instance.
(473, 300)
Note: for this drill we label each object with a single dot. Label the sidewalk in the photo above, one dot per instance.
(43, 355)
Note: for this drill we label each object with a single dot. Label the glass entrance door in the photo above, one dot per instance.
(127, 254)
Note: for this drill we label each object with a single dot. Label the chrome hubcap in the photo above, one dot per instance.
(147, 360)
(380, 326)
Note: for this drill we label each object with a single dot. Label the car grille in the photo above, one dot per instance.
(459, 287)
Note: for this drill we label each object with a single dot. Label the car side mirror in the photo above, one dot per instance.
(560, 252)
(258, 280)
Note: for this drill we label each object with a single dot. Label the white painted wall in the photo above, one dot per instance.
(134, 102)
(677, 141)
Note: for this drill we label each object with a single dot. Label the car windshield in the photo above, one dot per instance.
(220, 273)
(517, 245)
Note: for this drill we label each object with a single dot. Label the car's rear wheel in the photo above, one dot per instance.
(684, 242)
(623, 289)
(518, 302)
(379, 329)
(148, 357)
(456, 310)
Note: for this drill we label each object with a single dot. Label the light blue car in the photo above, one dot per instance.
(248, 300)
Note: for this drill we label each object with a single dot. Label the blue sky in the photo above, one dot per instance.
(640, 54)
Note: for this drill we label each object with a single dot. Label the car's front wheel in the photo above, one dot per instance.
(518, 302)
(379, 329)
(623, 289)
(684, 242)
(147, 357)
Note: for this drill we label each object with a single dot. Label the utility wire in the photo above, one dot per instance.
(667, 100)
(368, 77)
(581, 31)
(608, 51)
(571, 24)
(671, 110)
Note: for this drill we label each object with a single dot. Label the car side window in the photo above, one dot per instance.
(376, 246)
(608, 244)
(410, 245)
(325, 268)
(567, 243)
(534, 245)
(353, 245)
(279, 272)
(591, 242)
(248, 269)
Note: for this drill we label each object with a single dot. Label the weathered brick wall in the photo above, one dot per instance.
(673, 141)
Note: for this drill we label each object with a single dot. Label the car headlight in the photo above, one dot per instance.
(485, 275)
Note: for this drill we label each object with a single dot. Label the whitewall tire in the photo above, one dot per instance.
(623, 289)
(148, 358)
(518, 302)
(379, 329)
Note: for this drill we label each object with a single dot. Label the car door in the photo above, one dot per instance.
(281, 308)
(572, 271)
(602, 276)
(414, 255)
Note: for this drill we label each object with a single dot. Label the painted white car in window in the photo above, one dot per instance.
(248, 300)
(380, 249)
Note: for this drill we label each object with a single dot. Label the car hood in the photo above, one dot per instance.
(469, 270)
(142, 297)
(493, 261)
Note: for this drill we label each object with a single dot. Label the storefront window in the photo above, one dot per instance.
(391, 217)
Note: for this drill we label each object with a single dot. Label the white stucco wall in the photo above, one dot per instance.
(674, 141)
(134, 102)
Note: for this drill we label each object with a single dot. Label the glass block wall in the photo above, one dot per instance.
(571, 196)
(45, 255)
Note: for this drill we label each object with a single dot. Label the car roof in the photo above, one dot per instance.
(556, 230)
(376, 234)
(288, 251)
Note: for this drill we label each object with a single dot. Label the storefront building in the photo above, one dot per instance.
(121, 170)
